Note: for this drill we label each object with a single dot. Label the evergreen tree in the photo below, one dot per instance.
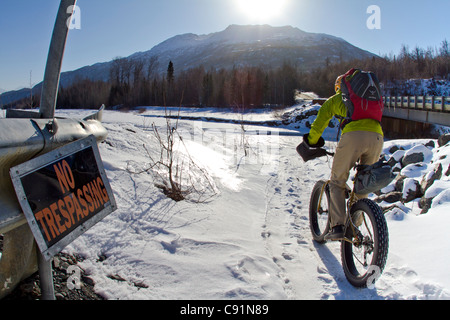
(170, 73)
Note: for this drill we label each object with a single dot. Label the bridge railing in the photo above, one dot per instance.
(425, 103)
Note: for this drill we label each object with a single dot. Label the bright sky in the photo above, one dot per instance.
(112, 28)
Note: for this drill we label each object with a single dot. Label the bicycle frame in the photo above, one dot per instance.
(350, 202)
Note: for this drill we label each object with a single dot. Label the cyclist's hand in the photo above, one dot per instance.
(319, 143)
(310, 152)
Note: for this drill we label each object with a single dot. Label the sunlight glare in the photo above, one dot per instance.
(262, 9)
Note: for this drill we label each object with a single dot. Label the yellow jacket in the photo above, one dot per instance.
(335, 106)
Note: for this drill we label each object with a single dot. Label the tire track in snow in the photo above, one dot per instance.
(268, 233)
(286, 229)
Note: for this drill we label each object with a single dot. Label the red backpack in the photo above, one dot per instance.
(361, 95)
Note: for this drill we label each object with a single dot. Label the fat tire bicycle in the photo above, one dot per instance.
(364, 249)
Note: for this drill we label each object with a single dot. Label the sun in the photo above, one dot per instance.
(261, 10)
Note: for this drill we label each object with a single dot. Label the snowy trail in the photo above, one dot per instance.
(309, 270)
(285, 231)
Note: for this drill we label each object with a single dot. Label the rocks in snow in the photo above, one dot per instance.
(390, 197)
(430, 177)
(411, 190)
(420, 170)
(417, 154)
(444, 139)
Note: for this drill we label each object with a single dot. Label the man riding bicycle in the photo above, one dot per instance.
(361, 141)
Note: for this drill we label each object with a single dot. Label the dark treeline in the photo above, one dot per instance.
(131, 85)
(135, 83)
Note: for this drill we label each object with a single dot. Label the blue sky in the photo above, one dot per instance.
(112, 28)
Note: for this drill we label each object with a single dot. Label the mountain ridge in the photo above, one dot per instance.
(236, 46)
(250, 45)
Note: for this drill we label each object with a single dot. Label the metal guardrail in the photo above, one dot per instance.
(428, 103)
(24, 139)
(20, 141)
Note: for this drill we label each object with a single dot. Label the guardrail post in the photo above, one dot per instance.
(46, 278)
(54, 61)
(47, 109)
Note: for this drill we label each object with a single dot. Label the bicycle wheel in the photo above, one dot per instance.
(319, 211)
(364, 255)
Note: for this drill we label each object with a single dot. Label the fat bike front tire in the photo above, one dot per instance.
(365, 250)
(319, 220)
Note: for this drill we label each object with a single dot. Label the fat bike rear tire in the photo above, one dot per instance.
(364, 258)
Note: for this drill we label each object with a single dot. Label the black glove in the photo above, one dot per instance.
(319, 143)
(310, 152)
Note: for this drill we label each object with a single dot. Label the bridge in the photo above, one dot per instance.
(424, 109)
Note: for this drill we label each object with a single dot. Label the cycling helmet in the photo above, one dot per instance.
(338, 83)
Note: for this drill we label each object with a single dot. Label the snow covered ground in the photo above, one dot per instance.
(251, 240)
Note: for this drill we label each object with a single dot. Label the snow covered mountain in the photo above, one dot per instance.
(236, 46)
(260, 45)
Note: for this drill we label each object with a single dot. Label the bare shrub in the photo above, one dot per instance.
(173, 169)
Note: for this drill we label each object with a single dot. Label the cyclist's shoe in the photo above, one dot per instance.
(336, 234)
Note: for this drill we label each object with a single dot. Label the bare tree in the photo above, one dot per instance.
(174, 170)
(152, 66)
